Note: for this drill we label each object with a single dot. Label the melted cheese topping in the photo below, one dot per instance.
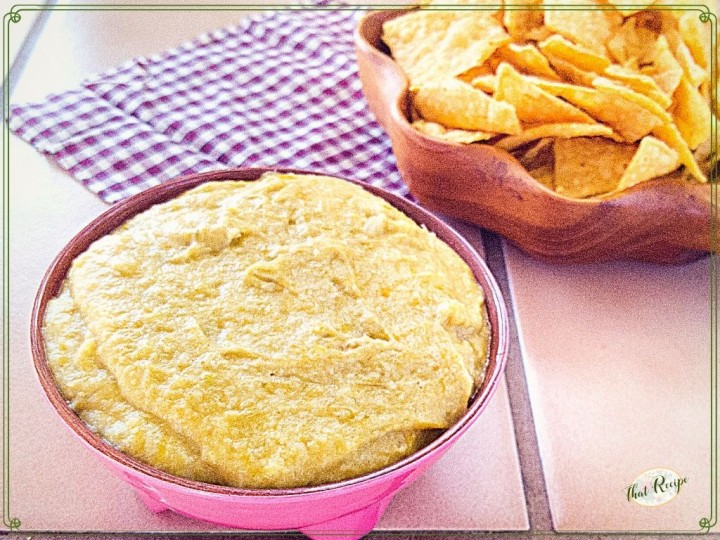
(286, 332)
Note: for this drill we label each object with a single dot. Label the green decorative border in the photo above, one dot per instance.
(705, 15)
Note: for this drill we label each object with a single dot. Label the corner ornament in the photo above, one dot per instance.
(706, 524)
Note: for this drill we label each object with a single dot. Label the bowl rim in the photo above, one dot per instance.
(366, 46)
(124, 210)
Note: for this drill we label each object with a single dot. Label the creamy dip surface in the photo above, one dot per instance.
(286, 332)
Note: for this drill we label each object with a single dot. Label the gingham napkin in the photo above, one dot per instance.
(281, 89)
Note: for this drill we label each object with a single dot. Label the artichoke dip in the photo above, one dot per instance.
(286, 332)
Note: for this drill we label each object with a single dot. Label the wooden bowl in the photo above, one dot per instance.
(664, 221)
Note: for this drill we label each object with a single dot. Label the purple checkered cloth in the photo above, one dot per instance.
(281, 89)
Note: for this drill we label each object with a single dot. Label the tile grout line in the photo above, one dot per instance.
(533, 478)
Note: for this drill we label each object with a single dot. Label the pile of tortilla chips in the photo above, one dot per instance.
(590, 101)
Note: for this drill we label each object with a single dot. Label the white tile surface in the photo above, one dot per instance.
(617, 358)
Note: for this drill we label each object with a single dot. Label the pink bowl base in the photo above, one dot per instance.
(344, 513)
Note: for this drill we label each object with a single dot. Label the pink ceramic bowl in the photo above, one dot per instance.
(348, 509)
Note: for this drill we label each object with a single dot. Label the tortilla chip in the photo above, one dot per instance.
(585, 59)
(650, 19)
(670, 135)
(665, 69)
(643, 84)
(704, 153)
(653, 158)
(476, 36)
(589, 166)
(532, 104)
(540, 154)
(545, 175)
(570, 72)
(521, 22)
(696, 35)
(433, 129)
(432, 45)
(609, 87)
(476, 71)
(486, 83)
(695, 74)
(565, 131)
(621, 6)
(590, 28)
(691, 114)
(413, 36)
(705, 90)
(671, 31)
(489, 7)
(527, 59)
(632, 44)
(540, 33)
(456, 104)
(628, 119)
